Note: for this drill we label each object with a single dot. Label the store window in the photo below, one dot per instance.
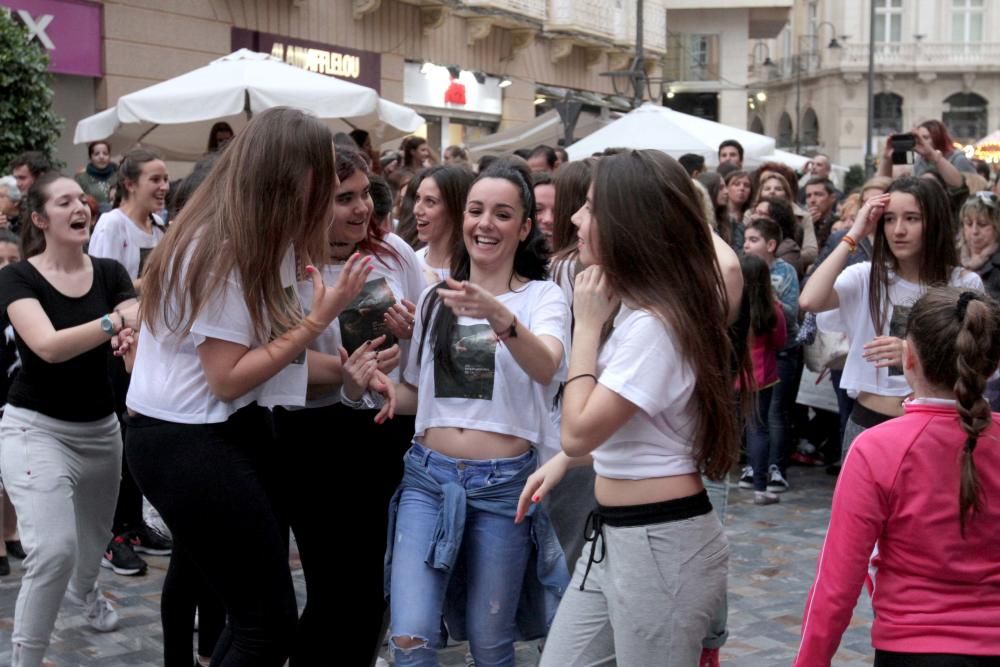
(810, 129)
(785, 137)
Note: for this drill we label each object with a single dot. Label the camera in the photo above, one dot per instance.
(902, 146)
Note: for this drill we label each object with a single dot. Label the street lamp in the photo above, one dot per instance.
(834, 44)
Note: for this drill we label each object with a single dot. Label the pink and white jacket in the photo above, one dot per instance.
(934, 591)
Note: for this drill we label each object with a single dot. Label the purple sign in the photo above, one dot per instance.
(70, 30)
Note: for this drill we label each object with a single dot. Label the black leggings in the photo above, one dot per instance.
(185, 589)
(209, 483)
(325, 447)
(893, 659)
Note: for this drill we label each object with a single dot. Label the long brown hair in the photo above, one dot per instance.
(271, 188)
(938, 255)
(572, 182)
(32, 237)
(957, 339)
(657, 251)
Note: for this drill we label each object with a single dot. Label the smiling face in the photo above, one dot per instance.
(586, 231)
(67, 216)
(904, 227)
(433, 221)
(150, 190)
(352, 211)
(494, 223)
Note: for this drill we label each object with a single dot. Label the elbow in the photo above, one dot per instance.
(223, 390)
(808, 304)
(574, 444)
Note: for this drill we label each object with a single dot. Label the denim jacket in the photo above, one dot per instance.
(545, 578)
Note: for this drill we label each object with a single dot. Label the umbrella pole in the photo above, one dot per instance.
(144, 135)
(246, 105)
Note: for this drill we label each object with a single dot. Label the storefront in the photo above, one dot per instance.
(459, 105)
(70, 30)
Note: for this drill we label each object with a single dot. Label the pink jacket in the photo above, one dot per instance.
(764, 351)
(934, 591)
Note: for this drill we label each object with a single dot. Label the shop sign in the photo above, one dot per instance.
(70, 30)
(361, 67)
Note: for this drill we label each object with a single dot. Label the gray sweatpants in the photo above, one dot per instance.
(649, 602)
(63, 480)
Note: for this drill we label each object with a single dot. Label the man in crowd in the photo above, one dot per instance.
(542, 158)
(821, 200)
(27, 167)
(731, 151)
(693, 163)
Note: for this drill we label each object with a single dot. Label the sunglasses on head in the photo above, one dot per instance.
(988, 198)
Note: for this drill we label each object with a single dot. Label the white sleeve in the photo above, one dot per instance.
(109, 239)
(851, 286)
(645, 367)
(411, 372)
(550, 314)
(971, 279)
(224, 316)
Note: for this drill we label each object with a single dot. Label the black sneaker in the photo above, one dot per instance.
(4, 566)
(145, 540)
(122, 559)
(746, 478)
(15, 549)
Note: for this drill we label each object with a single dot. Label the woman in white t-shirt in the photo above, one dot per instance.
(131, 231)
(223, 338)
(363, 326)
(485, 347)
(651, 403)
(438, 208)
(128, 234)
(914, 247)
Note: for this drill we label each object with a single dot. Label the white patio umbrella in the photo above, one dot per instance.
(673, 132)
(176, 115)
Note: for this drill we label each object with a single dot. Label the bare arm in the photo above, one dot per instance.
(35, 328)
(732, 276)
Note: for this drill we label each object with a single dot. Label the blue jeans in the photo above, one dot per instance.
(759, 442)
(489, 570)
(782, 402)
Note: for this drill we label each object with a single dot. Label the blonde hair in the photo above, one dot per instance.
(270, 189)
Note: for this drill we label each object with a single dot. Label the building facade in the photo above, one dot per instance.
(933, 59)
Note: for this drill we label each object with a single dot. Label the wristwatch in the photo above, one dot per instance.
(107, 326)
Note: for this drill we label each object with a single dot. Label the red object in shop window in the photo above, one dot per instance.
(455, 94)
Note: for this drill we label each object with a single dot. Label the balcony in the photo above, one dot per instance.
(602, 20)
(535, 10)
(654, 25)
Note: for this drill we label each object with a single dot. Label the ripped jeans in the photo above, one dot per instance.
(488, 572)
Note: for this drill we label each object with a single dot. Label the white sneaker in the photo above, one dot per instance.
(98, 610)
(380, 662)
(746, 478)
(776, 482)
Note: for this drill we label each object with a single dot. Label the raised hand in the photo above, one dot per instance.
(328, 302)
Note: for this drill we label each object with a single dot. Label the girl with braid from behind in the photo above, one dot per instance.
(919, 488)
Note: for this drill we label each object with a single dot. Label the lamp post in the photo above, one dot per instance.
(834, 44)
(869, 157)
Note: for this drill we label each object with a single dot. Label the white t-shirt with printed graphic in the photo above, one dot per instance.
(641, 363)
(432, 274)
(391, 280)
(854, 319)
(490, 391)
(168, 381)
(115, 236)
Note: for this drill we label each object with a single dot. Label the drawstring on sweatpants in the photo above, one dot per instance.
(592, 531)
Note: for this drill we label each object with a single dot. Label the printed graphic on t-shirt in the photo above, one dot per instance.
(473, 351)
(143, 256)
(364, 318)
(897, 329)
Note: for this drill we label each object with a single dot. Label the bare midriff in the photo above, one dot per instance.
(884, 405)
(621, 492)
(474, 445)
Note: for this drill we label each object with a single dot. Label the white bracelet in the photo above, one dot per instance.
(368, 401)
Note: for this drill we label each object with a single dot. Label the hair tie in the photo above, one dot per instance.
(963, 304)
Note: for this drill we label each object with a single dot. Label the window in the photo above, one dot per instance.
(692, 57)
(809, 127)
(888, 113)
(785, 130)
(966, 21)
(888, 20)
(965, 117)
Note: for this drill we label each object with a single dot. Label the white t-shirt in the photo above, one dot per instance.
(493, 393)
(432, 274)
(854, 319)
(641, 363)
(390, 281)
(117, 237)
(168, 381)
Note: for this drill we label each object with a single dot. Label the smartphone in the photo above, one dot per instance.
(902, 147)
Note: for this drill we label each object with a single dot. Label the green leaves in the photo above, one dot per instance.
(27, 121)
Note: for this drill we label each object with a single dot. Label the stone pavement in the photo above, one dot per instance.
(771, 569)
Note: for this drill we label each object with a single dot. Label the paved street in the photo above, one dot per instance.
(774, 556)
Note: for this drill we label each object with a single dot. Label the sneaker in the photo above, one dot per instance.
(122, 559)
(145, 540)
(98, 610)
(803, 459)
(776, 482)
(765, 498)
(746, 478)
(15, 549)
(709, 657)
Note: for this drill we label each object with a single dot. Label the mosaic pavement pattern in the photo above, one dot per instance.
(772, 566)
